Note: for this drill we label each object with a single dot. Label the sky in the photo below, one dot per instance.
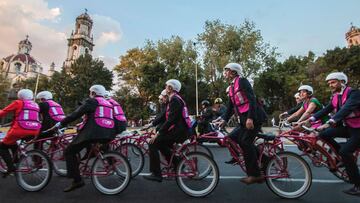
(293, 26)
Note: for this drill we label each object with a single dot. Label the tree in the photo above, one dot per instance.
(72, 85)
(4, 86)
(30, 83)
(144, 71)
(224, 43)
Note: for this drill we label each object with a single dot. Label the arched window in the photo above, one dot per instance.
(17, 68)
(73, 53)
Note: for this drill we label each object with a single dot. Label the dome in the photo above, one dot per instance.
(25, 58)
(25, 41)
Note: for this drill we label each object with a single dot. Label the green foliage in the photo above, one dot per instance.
(72, 86)
(279, 84)
(228, 43)
(145, 70)
(4, 85)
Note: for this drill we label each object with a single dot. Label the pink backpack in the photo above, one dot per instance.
(118, 111)
(28, 117)
(55, 111)
(104, 113)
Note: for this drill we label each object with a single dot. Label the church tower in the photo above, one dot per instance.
(80, 41)
(353, 36)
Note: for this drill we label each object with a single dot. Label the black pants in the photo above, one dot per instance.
(72, 160)
(5, 154)
(39, 145)
(245, 138)
(164, 143)
(203, 127)
(345, 151)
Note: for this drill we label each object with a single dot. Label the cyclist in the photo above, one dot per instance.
(97, 127)
(51, 113)
(299, 104)
(176, 128)
(219, 108)
(310, 105)
(206, 115)
(345, 122)
(26, 124)
(119, 115)
(160, 117)
(250, 116)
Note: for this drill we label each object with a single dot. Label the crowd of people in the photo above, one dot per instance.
(103, 118)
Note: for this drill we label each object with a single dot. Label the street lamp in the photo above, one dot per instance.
(37, 79)
(196, 86)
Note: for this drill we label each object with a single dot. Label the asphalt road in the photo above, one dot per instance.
(325, 188)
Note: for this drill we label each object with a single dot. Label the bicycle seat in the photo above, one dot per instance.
(265, 136)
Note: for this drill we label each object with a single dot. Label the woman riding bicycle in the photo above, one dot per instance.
(310, 105)
(26, 124)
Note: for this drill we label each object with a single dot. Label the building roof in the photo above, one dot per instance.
(85, 16)
(25, 58)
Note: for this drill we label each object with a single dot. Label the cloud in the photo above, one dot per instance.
(107, 37)
(19, 18)
(110, 62)
(106, 30)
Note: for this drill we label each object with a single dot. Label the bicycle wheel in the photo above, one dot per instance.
(3, 167)
(134, 155)
(193, 147)
(288, 175)
(111, 173)
(57, 157)
(188, 170)
(34, 171)
(265, 151)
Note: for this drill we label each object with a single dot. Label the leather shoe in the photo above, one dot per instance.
(153, 177)
(7, 173)
(231, 161)
(253, 179)
(353, 191)
(74, 185)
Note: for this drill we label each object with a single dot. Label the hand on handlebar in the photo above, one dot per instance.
(219, 122)
(146, 127)
(153, 137)
(323, 127)
(282, 115)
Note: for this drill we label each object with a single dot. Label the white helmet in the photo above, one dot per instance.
(337, 76)
(234, 67)
(108, 94)
(175, 84)
(44, 95)
(297, 95)
(306, 87)
(162, 94)
(98, 89)
(25, 94)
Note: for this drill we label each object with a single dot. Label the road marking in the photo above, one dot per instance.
(294, 180)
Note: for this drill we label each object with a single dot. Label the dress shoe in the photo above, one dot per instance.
(74, 185)
(153, 177)
(7, 173)
(353, 191)
(253, 179)
(231, 161)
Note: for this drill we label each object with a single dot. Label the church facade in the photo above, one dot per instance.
(22, 65)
